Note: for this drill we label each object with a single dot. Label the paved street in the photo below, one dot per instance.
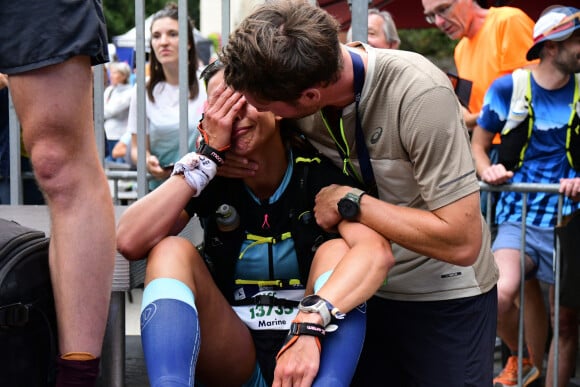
(136, 375)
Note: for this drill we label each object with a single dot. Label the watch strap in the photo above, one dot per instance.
(302, 328)
(327, 312)
(213, 154)
(305, 328)
(358, 193)
(323, 311)
(337, 314)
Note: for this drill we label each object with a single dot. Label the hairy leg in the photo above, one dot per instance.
(535, 322)
(508, 262)
(54, 105)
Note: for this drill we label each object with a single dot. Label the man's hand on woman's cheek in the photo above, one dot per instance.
(237, 167)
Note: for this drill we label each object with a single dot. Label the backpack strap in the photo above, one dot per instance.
(307, 236)
(13, 315)
(573, 132)
(223, 249)
(519, 108)
(517, 131)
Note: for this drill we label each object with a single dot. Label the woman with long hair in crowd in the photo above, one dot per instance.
(162, 100)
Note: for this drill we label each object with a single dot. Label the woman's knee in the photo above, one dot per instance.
(172, 255)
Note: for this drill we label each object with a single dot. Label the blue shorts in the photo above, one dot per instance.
(39, 33)
(432, 343)
(539, 247)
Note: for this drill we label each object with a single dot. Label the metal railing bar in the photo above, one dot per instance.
(16, 194)
(526, 189)
(522, 287)
(142, 186)
(183, 79)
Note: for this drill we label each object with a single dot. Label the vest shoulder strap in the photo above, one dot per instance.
(517, 130)
(519, 105)
(222, 249)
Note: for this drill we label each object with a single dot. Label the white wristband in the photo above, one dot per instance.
(198, 170)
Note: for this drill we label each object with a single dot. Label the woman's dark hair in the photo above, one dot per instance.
(157, 74)
(210, 70)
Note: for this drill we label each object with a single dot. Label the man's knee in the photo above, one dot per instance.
(568, 323)
(505, 301)
(51, 168)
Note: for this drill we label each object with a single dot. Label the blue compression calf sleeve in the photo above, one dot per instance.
(169, 333)
(341, 349)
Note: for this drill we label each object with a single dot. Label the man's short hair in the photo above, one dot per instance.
(281, 49)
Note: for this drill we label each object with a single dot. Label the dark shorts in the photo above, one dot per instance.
(267, 344)
(39, 33)
(441, 343)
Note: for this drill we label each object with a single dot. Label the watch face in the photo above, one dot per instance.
(310, 300)
(348, 209)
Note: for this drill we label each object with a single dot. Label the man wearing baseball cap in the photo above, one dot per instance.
(536, 113)
(557, 23)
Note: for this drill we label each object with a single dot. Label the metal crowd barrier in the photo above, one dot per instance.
(525, 189)
(359, 16)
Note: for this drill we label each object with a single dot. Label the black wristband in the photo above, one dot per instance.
(304, 328)
(211, 153)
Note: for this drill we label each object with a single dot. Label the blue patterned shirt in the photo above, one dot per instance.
(545, 159)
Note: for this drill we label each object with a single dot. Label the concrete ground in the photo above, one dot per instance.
(136, 374)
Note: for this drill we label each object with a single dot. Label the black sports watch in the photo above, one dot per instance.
(349, 205)
(316, 304)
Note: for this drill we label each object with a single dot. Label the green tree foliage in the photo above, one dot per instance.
(427, 41)
(432, 43)
(120, 14)
(120, 17)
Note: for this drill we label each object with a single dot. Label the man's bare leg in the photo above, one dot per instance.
(567, 345)
(54, 105)
(535, 322)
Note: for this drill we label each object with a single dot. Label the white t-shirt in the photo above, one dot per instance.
(162, 120)
(116, 110)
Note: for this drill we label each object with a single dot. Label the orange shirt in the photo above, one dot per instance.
(497, 49)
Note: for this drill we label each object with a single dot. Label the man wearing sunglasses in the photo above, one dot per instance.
(481, 31)
(477, 58)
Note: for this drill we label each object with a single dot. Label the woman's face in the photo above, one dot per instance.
(165, 40)
(251, 129)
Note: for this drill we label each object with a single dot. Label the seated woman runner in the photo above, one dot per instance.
(223, 317)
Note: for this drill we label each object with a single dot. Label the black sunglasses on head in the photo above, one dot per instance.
(210, 70)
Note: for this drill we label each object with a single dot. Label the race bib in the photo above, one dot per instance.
(268, 317)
